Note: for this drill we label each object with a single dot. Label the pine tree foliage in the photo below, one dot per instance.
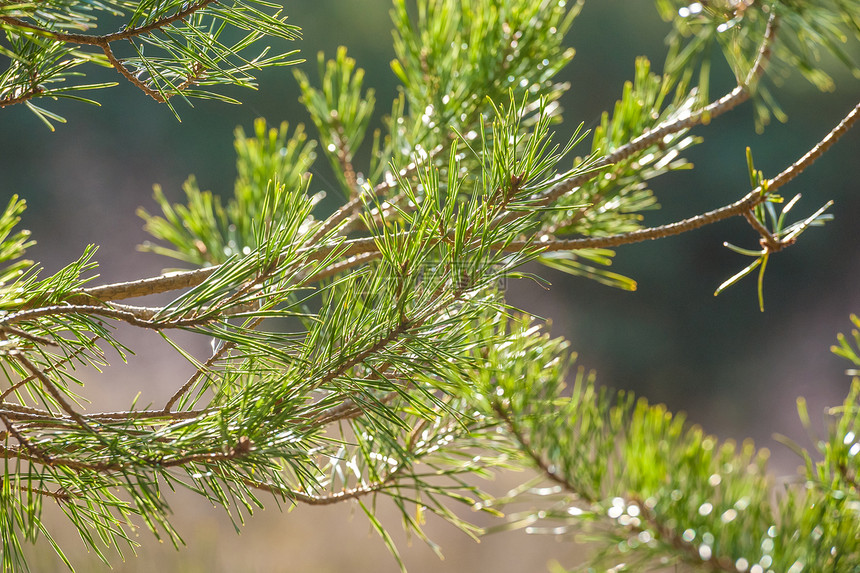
(369, 355)
(655, 491)
(164, 48)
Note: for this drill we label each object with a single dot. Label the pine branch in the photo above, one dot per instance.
(105, 39)
(636, 478)
(366, 248)
(370, 353)
(728, 102)
(178, 281)
(329, 499)
(43, 53)
(738, 208)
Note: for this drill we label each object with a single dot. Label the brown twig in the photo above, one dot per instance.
(38, 416)
(101, 40)
(545, 468)
(53, 366)
(216, 356)
(341, 266)
(114, 466)
(125, 315)
(143, 287)
(22, 95)
(728, 102)
(348, 210)
(329, 499)
(35, 339)
(743, 205)
(104, 41)
(120, 67)
(817, 151)
(52, 389)
(37, 453)
(350, 409)
(769, 243)
(690, 552)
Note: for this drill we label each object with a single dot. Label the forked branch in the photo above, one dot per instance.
(738, 208)
(363, 250)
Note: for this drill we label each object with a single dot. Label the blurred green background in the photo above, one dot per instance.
(734, 370)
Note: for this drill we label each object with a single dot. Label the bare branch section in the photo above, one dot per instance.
(728, 102)
(738, 208)
(102, 40)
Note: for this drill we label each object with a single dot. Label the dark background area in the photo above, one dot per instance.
(734, 370)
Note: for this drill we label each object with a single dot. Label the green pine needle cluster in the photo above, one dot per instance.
(167, 49)
(654, 491)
